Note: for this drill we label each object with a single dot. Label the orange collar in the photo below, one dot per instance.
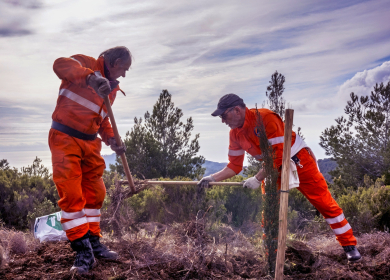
(100, 65)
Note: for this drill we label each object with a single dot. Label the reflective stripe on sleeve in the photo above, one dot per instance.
(276, 140)
(74, 223)
(72, 215)
(82, 101)
(342, 230)
(77, 61)
(337, 219)
(92, 212)
(236, 153)
(93, 219)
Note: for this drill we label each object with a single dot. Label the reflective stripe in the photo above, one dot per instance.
(93, 219)
(82, 101)
(338, 219)
(74, 223)
(77, 61)
(236, 153)
(72, 215)
(342, 230)
(276, 140)
(258, 156)
(92, 212)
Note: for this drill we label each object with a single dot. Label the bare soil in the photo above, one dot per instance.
(187, 251)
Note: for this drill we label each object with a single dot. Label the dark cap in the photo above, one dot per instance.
(227, 101)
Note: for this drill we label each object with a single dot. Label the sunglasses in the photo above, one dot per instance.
(224, 115)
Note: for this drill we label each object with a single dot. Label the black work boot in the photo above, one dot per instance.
(353, 254)
(84, 257)
(100, 251)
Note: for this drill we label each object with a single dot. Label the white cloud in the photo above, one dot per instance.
(363, 82)
(197, 50)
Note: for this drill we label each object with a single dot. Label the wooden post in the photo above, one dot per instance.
(119, 141)
(284, 195)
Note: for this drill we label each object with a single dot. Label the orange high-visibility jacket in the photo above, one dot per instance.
(245, 139)
(78, 105)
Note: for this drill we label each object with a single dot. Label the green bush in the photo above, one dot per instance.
(179, 203)
(367, 208)
(22, 191)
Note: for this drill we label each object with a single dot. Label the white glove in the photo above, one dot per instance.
(252, 183)
(100, 84)
(204, 182)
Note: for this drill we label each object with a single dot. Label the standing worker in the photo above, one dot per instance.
(243, 138)
(80, 115)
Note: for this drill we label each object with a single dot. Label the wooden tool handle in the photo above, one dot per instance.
(119, 142)
(192, 183)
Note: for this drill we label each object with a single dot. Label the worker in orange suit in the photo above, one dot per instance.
(79, 117)
(243, 138)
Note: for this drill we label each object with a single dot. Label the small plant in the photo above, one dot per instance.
(17, 243)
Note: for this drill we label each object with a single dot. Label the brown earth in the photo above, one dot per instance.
(186, 251)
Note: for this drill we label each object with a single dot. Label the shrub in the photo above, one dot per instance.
(21, 191)
(41, 209)
(367, 208)
(17, 243)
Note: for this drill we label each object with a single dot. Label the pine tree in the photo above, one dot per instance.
(274, 93)
(360, 142)
(161, 146)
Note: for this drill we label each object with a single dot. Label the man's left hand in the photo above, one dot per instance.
(115, 147)
(252, 183)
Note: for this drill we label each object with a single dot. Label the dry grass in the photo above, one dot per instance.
(193, 251)
(1, 256)
(17, 243)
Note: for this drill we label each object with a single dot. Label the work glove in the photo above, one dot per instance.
(204, 182)
(100, 84)
(252, 183)
(115, 147)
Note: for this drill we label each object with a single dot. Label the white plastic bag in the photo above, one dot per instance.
(48, 228)
(293, 180)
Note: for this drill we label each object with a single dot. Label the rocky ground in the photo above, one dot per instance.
(186, 251)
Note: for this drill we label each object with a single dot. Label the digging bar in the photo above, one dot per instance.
(119, 141)
(147, 182)
(281, 253)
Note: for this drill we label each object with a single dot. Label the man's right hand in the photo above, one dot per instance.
(204, 182)
(100, 84)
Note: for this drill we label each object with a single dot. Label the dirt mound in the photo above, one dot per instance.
(176, 253)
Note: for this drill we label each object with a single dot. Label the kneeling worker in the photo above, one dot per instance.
(242, 122)
(80, 115)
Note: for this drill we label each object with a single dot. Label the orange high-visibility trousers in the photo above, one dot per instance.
(314, 187)
(77, 172)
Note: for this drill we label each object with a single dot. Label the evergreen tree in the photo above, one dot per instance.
(359, 142)
(274, 93)
(161, 146)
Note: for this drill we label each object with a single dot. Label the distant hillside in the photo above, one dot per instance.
(213, 167)
(109, 159)
(325, 166)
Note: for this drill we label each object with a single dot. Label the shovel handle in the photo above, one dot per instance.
(119, 141)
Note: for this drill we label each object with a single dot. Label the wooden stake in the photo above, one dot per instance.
(284, 195)
(119, 141)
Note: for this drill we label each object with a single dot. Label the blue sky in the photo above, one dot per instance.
(199, 51)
